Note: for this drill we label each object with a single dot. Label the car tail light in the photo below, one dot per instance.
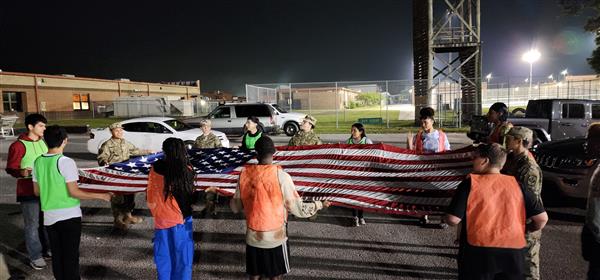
(91, 135)
(272, 120)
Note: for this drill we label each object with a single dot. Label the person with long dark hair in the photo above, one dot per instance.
(498, 116)
(358, 136)
(170, 197)
(253, 132)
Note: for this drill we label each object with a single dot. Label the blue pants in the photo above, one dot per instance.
(35, 235)
(174, 251)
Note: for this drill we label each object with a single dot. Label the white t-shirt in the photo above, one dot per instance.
(68, 169)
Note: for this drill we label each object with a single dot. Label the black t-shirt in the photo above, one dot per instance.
(184, 201)
(487, 259)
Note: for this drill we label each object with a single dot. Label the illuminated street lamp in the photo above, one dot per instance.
(564, 73)
(530, 57)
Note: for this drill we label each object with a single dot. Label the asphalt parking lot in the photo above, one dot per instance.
(388, 247)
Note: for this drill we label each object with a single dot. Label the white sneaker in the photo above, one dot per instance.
(362, 221)
(38, 264)
(356, 222)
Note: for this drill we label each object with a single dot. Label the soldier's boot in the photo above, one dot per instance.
(130, 219)
(211, 208)
(119, 222)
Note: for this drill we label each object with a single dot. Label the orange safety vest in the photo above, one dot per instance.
(441, 141)
(495, 135)
(262, 198)
(496, 212)
(166, 213)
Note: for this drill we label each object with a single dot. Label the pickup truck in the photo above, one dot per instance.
(558, 119)
(565, 166)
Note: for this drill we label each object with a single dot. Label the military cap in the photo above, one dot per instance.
(521, 132)
(115, 125)
(205, 122)
(310, 119)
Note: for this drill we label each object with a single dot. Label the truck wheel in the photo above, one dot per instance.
(290, 128)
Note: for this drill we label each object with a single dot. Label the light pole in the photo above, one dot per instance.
(530, 57)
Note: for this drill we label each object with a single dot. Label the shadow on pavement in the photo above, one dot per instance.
(102, 272)
(328, 265)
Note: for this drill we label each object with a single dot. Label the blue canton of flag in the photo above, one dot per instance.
(204, 161)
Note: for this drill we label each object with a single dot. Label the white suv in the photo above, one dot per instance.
(230, 118)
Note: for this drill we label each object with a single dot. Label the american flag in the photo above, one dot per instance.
(376, 178)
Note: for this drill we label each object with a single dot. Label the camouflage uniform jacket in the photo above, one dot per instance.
(116, 150)
(305, 138)
(208, 141)
(526, 171)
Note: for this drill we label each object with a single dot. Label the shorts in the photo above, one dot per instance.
(267, 262)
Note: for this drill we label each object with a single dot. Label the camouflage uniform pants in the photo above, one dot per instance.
(122, 204)
(532, 259)
(212, 197)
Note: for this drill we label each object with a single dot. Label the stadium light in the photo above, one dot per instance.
(530, 57)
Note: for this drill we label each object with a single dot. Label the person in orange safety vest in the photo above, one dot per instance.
(493, 209)
(266, 194)
(498, 116)
(428, 139)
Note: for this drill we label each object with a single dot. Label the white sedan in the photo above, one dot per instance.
(149, 133)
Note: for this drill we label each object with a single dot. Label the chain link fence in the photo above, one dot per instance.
(339, 104)
(391, 103)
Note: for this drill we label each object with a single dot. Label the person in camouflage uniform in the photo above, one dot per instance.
(523, 167)
(207, 140)
(306, 135)
(117, 149)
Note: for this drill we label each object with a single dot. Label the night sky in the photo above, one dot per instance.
(226, 44)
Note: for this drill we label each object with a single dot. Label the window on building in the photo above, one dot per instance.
(12, 101)
(81, 102)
